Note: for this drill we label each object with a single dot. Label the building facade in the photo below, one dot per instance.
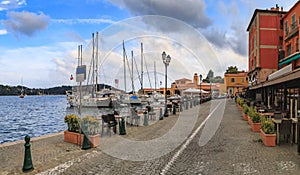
(235, 83)
(265, 37)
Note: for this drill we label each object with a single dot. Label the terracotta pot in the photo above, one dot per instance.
(255, 126)
(268, 139)
(245, 116)
(75, 138)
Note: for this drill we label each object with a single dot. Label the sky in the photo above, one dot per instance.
(39, 39)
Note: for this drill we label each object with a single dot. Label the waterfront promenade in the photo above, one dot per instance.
(234, 149)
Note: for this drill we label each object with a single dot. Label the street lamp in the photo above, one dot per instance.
(200, 76)
(166, 60)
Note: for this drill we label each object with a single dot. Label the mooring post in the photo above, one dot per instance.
(27, 165)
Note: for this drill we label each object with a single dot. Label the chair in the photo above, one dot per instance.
(135, 118)
(277, 115)
(109, 122)
(152, 114)
(285, 129)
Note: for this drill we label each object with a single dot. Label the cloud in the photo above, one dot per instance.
(191, 11)
(3, 32)
(11, 4)
(84, 21)
(25, 23)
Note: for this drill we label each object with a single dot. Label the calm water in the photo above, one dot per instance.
(32, 115)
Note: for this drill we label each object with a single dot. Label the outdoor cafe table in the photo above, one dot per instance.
(278, 122)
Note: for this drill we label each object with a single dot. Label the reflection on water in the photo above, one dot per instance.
(32, 115)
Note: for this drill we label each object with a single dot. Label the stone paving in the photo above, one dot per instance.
(233, 149)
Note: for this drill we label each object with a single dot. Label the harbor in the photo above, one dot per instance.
(232, 150)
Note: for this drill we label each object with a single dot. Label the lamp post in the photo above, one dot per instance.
(200, 76)
(166, 60)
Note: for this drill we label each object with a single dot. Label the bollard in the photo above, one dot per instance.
(122, 129)
(174, 109)
(298, 132)
(27, 165)
(161, 117)
(191, 104)
(180, 107)
(186, 105)
(86, 143)
(145, 118)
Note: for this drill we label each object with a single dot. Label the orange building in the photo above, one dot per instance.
(290, 51)
(265, 39)
(182, 84)
(235, 83)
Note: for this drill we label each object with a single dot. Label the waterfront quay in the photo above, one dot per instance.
(233, 149)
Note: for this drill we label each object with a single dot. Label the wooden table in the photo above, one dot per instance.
(278, 122)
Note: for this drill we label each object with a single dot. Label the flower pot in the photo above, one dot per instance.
(76, 138)
(255, 126)
(245, 116)
(268, 139)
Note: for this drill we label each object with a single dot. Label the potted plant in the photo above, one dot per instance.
(255, 120)
(267, 132)
(89, 126)
(245, 111)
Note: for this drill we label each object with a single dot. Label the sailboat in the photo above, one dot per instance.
(93, 98)
(22, 95)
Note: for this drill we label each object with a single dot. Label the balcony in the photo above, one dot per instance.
(294, 31)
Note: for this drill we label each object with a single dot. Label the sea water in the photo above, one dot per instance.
(33, 115)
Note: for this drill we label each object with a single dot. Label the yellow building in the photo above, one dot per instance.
(235, 83)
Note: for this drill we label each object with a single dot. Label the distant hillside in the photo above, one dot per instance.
(16, 90)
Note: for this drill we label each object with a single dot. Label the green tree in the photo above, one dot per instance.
(232, 70)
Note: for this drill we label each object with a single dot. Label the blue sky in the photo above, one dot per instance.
(39, 39)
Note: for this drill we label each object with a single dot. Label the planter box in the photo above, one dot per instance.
(255, 126)
(76, 138)
(240, 107)
(268, 139)
(245, 116)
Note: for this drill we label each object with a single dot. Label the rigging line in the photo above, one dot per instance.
(137, 70)
(131, 75)
(147, 72)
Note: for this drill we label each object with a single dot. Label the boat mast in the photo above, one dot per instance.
(142, 71)
(124, 66)
(93, 65)
(155, 75)
(132, 84)
(97, 60)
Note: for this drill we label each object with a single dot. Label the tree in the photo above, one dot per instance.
(232, 70)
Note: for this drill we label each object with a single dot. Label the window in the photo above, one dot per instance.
(297, 45)
(254, 42)
(232, 80)
(289, 49)
(293, 21)
(243, 80)
(286, 27)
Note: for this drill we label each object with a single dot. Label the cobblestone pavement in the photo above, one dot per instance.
(233, 149)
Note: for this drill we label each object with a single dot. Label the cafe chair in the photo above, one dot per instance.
(277, 115)
(109, 121)
(135, 118)
(285, 129)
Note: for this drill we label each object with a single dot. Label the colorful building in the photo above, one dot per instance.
(183, 84)
(235, 82)
(280, 90)
(290, 51)
(265, 39)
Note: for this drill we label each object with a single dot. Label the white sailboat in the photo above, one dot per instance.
(94, 98)
(22, 95)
